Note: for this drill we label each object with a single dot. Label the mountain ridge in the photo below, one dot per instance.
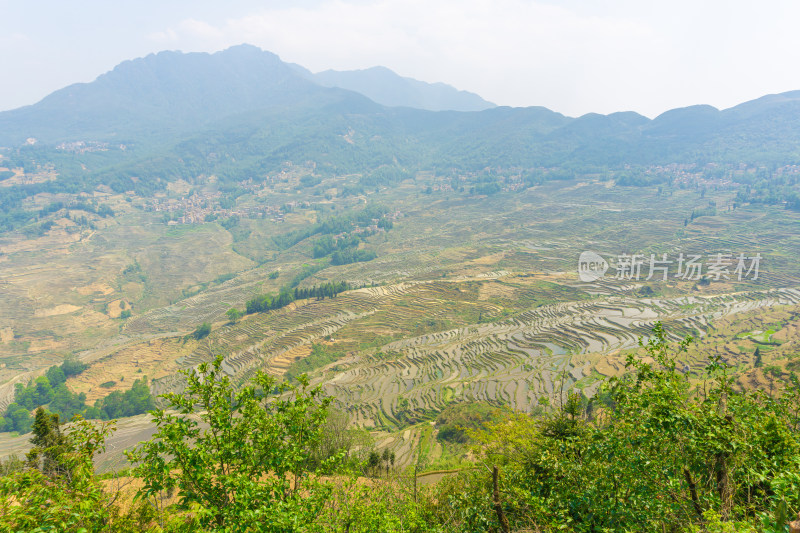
(170, 99)
(386, 87)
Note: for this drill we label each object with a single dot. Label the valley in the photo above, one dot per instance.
(471, 297)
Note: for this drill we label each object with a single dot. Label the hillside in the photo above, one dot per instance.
(163, 101)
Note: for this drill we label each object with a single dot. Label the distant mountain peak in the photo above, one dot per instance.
(170, 90)
(386, 87)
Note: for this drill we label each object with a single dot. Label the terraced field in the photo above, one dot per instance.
(469, 298)
(521, 359)
(517, 360)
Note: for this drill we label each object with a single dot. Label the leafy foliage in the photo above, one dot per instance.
(651, 452)
(202, 331)
(51, 390)
(345, 257)
(61, 492)
(457, 421)
(327, 244)
(48, 443)
(134, 401)
(249, 468)
(267, 302)
(233, 314)
(335, 225)
(656, 453)
(48, 389)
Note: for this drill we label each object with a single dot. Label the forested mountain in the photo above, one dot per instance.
(169, 93)
(242, 112)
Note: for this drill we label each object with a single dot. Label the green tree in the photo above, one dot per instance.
(68, 404)
(202, 331)
(17, 418)
(653, 451)
(134, 401)
(48, 443)
(69, 498)
(72, 366)
(239, 458)
(43, 392)
(234, 314)
(337, 440)
(55, 375)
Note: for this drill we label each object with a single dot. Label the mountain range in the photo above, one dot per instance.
(247, 106)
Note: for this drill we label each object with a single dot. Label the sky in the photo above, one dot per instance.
(572, 56)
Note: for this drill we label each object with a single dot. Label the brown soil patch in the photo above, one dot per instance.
(179, 187)
(152, 359)
(432, 478)
(53, 240)
(102, 288)
(789, 333)
(64, 222)
(126, 487)
(555, 277)
(753, 379)
(6, 335)
(18, 177)
(62, 309)
(41, 345)
(281, 363)
(488, 259)
(494, 289)
(782, 335)
(610, 365)
(298, 218)
(133, 290)
(116, 307)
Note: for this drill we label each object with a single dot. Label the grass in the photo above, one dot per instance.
(425, 447)
(321, 355)
(376, 342)
(760, 337)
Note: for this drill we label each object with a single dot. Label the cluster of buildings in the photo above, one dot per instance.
(787, 170)
(81, 147)
(205, 207)
(690, 175)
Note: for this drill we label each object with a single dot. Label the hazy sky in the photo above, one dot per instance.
(573, 56)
